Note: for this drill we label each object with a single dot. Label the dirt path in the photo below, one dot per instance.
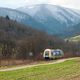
(28, 66)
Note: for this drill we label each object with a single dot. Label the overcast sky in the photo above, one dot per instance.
(18, 3)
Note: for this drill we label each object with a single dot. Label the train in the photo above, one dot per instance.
(53, 53)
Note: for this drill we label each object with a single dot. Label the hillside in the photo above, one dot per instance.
(17, 40)
(19, 17)
(16, 30)
(25, 43)
(42, 12)
(56, 19)
(53, 19)
(74, 39)
(75, 31)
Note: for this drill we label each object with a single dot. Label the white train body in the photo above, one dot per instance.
(53, 53)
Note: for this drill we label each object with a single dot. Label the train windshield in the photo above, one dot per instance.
(47, 53)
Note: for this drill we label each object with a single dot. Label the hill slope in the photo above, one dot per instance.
(19, 17)
(74, 39)
(19, 40)
(13, 29)
(55, 19)
(74, 31)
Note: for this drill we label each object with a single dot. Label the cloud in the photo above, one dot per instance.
(12, 3)
(31, 2)
(67, 3)
(19, 3)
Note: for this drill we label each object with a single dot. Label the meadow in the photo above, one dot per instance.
(68, 70)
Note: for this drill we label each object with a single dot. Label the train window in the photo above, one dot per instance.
(47, 53)
(57, 53)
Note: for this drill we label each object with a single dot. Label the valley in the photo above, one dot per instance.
(27, 31)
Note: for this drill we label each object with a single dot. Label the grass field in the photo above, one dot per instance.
(68, 70)
(74, 39)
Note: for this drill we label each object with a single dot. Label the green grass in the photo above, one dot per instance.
(68, 70)
(74, 39)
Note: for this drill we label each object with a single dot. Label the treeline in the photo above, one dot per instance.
(18, 41)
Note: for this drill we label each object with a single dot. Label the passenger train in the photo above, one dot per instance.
(53, 53)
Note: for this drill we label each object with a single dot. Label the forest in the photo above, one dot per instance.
(20, 42)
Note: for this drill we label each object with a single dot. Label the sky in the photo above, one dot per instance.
(19, 3)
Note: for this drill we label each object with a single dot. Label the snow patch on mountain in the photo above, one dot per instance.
(63, 15)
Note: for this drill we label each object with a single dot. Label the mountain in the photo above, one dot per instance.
(55, 19)
(74, 31)
(19, 17)
(17, 31)
(43, 11)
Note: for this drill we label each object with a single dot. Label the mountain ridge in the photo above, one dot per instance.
(54, 20)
